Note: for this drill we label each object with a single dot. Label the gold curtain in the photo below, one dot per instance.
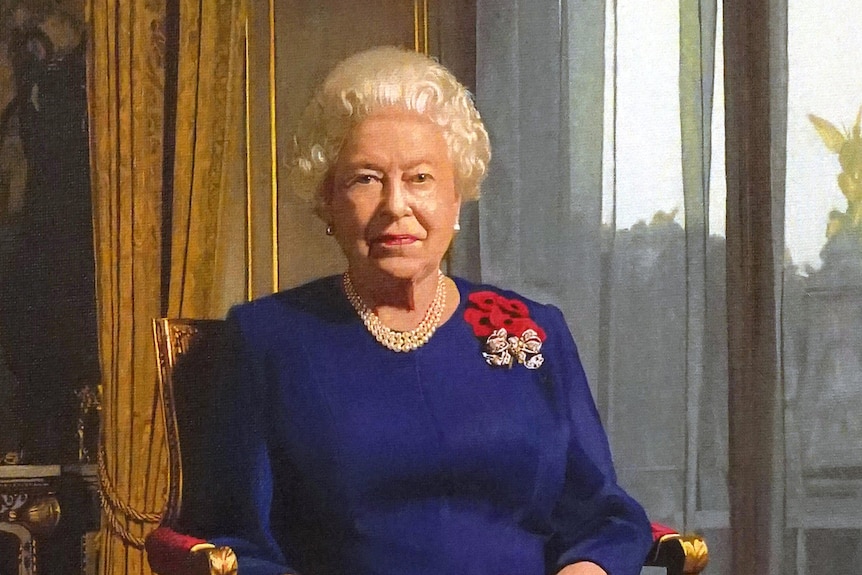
(127, 124)
(207, 263)
(126, 95)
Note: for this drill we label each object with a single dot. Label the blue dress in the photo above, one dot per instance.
(333, 455)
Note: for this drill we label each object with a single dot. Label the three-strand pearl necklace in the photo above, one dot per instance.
(401, 341)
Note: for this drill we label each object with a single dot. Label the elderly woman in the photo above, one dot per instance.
(394, 420)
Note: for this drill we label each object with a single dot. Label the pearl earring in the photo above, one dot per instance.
(457, 227)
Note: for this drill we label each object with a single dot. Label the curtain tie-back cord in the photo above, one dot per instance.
(112, 506)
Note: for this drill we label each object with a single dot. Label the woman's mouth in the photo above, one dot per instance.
(394, 240)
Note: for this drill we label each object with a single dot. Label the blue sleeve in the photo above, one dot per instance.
(594, 519)
(231, 499)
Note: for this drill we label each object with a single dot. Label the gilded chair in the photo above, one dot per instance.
(190, 354)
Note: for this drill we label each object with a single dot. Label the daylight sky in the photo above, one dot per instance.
(825, 53)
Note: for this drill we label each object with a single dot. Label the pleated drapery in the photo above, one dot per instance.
(647, 304)
(207, 261)
(697, 65)
(756, 92)
(126, 83)
(138, 145)
(538, 226)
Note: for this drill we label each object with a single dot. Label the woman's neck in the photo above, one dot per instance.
(399, 303)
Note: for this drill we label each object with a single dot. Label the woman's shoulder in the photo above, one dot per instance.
(319, 300)
(476, 293)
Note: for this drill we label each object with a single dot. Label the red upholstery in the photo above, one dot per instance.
(659, 531)
(169, 552)
(679, 554)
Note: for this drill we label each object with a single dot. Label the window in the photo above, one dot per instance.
(666, 418)
(823, 286)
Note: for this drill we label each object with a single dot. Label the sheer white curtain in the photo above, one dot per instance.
(537, 229)
(598, 200)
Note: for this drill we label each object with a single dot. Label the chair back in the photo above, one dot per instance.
(190, 355)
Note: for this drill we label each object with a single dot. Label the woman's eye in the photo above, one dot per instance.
(422, 178)
(364, 179)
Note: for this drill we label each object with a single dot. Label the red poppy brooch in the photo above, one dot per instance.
(505, 325)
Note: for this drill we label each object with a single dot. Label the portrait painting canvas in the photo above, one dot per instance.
(682, 180)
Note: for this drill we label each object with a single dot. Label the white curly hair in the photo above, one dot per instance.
(382, 77)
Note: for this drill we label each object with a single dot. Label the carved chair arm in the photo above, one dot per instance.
(172, 553)
(679, 554)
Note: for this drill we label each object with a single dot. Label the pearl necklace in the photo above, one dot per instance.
(401, 341)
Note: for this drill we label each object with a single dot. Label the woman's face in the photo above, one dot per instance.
(392, 203)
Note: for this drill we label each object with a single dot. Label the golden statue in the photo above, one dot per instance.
(848, 146)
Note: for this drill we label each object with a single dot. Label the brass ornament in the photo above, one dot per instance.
(695, 550)
(38, 515)
(222, 561)
(42, 516)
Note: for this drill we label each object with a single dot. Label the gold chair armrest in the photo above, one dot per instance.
(695, 550)
(208, 559)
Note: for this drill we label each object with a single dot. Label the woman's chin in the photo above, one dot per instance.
(400, 268)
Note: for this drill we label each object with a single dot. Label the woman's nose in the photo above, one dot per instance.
(396, 200)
